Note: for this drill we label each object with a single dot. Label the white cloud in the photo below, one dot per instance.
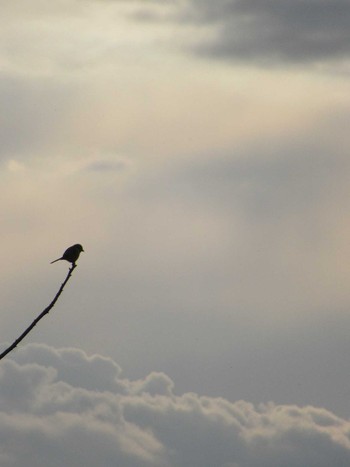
(52, 413)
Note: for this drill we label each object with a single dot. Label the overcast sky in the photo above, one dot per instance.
(198, 151)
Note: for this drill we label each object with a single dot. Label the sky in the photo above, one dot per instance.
(198, 151)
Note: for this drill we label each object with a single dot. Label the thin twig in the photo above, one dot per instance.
(42, 314)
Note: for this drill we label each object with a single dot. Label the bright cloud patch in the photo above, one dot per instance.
(61, 407)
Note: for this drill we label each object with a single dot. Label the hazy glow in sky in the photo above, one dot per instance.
(198, 151)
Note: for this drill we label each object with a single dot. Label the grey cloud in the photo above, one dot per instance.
(70, 424)
(105, 375)
(266, 182)
(154, 384)
(106, 166)
(268, 31)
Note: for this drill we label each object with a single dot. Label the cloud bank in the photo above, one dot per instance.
(60, 406)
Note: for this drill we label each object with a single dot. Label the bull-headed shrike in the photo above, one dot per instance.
(71, 254)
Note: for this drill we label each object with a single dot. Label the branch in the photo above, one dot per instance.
(42, 314)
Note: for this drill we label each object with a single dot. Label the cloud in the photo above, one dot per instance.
(50, 417)
(270, 202)
(266, 31)
(106, 166)
(213, 240)
(35, 110)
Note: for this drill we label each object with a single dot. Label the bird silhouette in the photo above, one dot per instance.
(71, 254)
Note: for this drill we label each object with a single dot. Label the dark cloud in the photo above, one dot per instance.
(268, 31)
(44, 417)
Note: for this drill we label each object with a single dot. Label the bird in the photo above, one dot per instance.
(71, 254)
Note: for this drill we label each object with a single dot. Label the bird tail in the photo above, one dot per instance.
(56, 260)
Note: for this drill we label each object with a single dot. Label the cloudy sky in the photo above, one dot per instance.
(198, 150)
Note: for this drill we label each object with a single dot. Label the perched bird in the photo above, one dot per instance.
(71, 254)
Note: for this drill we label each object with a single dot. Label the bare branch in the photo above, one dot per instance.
(42, 314)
